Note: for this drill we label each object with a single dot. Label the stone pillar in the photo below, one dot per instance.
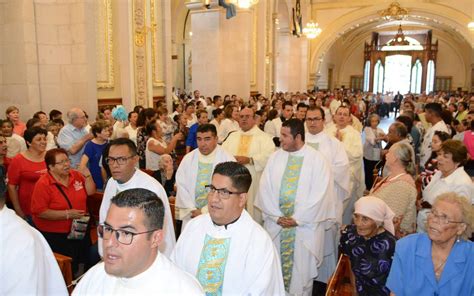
(221, 51)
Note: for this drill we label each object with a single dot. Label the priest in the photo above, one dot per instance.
(229, 253)
(250, 147)
(195, 171)
(295, 196)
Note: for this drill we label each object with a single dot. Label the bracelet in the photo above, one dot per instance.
(86, 176)
(67, 215)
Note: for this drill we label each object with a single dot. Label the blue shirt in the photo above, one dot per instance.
(412, 271)
(191, 140)
(94, 153)
(67, 137)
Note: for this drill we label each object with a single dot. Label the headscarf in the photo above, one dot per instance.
(119, 113)
(377, 210)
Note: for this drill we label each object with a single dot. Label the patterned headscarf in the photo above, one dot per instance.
(377, 210)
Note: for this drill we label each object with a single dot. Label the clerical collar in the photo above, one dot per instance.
(225, 225)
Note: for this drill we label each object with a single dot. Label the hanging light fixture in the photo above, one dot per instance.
(470, 26)
(312, 30)
(243, 3)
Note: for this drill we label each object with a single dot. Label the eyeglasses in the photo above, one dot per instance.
(442, 219)
(119, 160)
(311, 119)
(221, 192)
(122, 236)
(63, 162)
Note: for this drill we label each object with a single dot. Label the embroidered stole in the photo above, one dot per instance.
(203, 178)
(244, 145)
(288, 189)
(314, 145)
(212, 262)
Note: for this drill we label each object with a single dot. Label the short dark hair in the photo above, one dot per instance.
(50, 156)
(301, 105)
(407, 121)
(3, 121)
(296, 127)
(58, 121)
(31, 122)
(150, 127)
(144, 115)
(216, 112)
(53, 113)
(215, 98)
(400, 129)
(457, 149)
(314, 108)
(145, 200)
(37, 114)
(204, 128)
(131, 113)
(198, 114)
(238, 174)
(32, 132)
(434, 108)
(286, 103)
(127, 142)
(98, 126)
(443, 136)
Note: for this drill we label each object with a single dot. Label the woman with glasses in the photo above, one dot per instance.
(370, 243)
(451, 177)
(58, 198)
(441, 261)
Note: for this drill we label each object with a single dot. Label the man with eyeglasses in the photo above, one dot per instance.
(251, 147)
(229, 253)
(74, 135)
(195, 171)
(335, 154)
(132, 264)
(122, 161)
(296, 199)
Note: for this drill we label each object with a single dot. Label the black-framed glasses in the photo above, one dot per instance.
(223, 193)
(442, 219)
(119, 160)
(124, 237)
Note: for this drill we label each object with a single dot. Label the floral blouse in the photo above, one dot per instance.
(370, 259)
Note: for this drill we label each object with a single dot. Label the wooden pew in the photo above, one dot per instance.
(342, 282)
(93, 205)
(65, 264)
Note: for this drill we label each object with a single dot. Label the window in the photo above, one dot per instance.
(430, 75)
(367, 76)
(415, 86)
(378, 77)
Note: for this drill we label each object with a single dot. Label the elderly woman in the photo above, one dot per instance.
(451, 177)
(13, 114)
(369, 243)
(59, 197)
(441, 261)
(372, 148)
(25, 169)
(398, 189)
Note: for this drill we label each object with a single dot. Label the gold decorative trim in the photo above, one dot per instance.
(154, 51)
(139, 51)
(105, 80)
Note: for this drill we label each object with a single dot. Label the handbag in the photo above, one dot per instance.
(79, 226)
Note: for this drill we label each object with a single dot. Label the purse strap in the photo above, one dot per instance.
(64, 194)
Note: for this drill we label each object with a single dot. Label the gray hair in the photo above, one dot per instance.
(404, 153)
(467, 210)
(373, 115)
(73, 114)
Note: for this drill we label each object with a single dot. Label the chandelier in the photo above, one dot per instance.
(394, 12)
(312, 30)
(243, 3)
(470, 26)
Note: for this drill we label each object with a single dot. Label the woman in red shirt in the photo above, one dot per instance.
(25, 169)
(59, 197)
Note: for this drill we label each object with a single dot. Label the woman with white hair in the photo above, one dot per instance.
(372, 148)
(398, 189)
(370, 244)
(441, 261)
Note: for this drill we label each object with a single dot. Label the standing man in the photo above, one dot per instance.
(433, 113)
(275, 126)
(229, 253)
(122, 161)
(352, 141)
(73, 136)
(195, 171)
(295, 197)
(251, 147)
(133, 265)
(334, 152)
(191, 142)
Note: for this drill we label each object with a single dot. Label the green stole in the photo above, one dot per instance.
(288, 189)
(204, 175)
(314, 145)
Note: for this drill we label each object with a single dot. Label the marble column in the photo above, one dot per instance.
(221, 51)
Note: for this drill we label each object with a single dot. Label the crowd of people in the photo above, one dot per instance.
(267, 193)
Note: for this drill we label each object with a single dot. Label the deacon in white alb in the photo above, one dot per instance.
(295, 197)
(226, 249)
(195, 172)
(133, 265)
(250, 147)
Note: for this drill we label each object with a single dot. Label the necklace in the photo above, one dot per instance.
(439, 269)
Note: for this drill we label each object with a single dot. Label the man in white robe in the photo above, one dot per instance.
(27, 264)
(195, 172)
(133, 265)
(334, 152)
(433, 115)
(295, 196)
(352, 141)
(229, 253)
(286, 114)
(250, 147)
(122, 161)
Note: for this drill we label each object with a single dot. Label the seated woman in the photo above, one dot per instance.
(369, 243)
(59, 197)
(167, 175)
(451, 177)
(398, 189)
(431, 165)
(441, 261)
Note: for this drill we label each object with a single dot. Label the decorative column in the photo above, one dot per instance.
(221, 50)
